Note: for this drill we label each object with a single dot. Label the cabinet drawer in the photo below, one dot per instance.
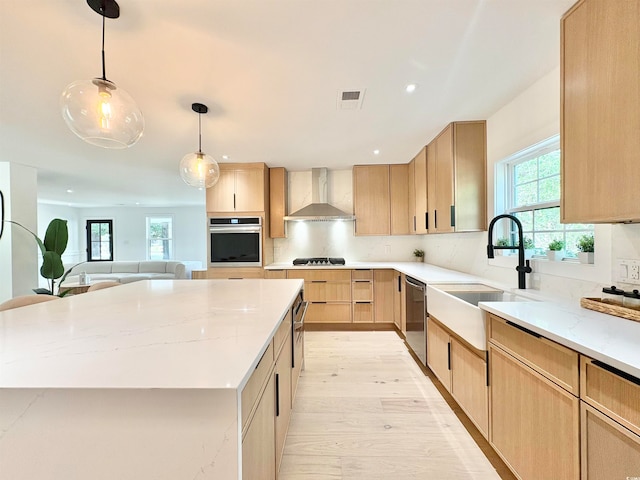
(362, 274)
(281, 334)
(558, 363)
(363, 312)
(362, 291)
(235, 273)
(328, 313)
(275, 274)
(251, 391)
(319, 291)
(327, 275)
(609, 391)
(608, 449)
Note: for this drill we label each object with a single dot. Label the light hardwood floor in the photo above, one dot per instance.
(365, 410)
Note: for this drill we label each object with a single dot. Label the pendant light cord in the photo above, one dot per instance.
(104, 73)
(199, 133)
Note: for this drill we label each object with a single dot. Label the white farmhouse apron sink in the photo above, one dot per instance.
(456, 306)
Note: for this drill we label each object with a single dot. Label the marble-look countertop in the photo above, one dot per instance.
(610, 339)
(420, 271)
(205, 334)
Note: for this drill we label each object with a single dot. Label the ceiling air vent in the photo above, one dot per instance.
(350, 99)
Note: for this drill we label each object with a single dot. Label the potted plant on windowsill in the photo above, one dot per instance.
(501, 242)
(418, 255)
(529, 248)
(586, 246)
(555, 250)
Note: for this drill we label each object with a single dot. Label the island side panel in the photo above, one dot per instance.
(127, 434)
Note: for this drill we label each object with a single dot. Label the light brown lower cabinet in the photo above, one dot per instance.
(267, 401)
(438, 352)
(534, 422)
(259, 440)
(609, 450)
(282, 375)
(384, 296)
(462, 370)
(469, 384)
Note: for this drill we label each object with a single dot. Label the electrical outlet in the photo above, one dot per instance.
(634, 272)
(629, 271)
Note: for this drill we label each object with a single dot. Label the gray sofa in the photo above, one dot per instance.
(126, 272)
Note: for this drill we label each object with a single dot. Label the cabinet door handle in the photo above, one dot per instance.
(426, 220)
(523, 329)
(414, 223)
(615, 371)
(234, 201)
(318, 281)
(453, 215)
(449, 355)
(399, 283)
(486, 363)
(277, 394)
(435, 218)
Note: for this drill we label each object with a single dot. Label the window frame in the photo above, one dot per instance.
(505, 193)
(170, 239)
(89, 249)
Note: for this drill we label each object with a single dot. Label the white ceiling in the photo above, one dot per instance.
(270, 72)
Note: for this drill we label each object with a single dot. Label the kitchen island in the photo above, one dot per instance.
(143, 380)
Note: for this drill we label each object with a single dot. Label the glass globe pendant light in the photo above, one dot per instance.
(98, 111)
(199, 169)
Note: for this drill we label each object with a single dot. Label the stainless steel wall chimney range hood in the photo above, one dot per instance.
(319, 210)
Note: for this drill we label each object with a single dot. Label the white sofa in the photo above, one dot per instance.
(126, 272)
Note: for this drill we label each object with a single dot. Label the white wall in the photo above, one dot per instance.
(531, 117)
(19, 251)
(129, 230)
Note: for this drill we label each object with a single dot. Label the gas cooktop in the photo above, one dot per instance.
(319, 261)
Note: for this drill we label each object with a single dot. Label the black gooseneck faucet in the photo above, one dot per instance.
(523, 266)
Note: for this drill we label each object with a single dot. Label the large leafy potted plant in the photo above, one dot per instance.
(586, 246)
(52, 248)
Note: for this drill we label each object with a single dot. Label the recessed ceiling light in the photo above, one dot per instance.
(411, 88)
(376, 152)
(225, 157)
(69, 191)
(137, 203)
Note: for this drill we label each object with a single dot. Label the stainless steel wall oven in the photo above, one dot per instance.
(235, 241)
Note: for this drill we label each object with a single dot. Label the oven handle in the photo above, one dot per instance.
(235, 229)
(299, 324)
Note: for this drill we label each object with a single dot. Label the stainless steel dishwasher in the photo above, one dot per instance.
(416, 318)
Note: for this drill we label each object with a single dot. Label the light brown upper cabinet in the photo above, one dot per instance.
(456, 180)
(600, 112)
(278, 184)
(371, 199)
(242, 187)
(398, 180)
(412, 196)
(420, 186)
(381, 199)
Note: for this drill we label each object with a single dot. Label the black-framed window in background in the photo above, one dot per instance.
(99, 240)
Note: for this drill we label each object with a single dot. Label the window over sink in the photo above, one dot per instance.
(528, 186)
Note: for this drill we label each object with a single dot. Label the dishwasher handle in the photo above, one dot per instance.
(419, 285)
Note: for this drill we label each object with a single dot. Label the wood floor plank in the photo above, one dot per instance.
(365, 410)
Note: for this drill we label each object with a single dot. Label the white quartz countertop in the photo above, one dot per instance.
(420, 271)
(612, 340)
(147, 334)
